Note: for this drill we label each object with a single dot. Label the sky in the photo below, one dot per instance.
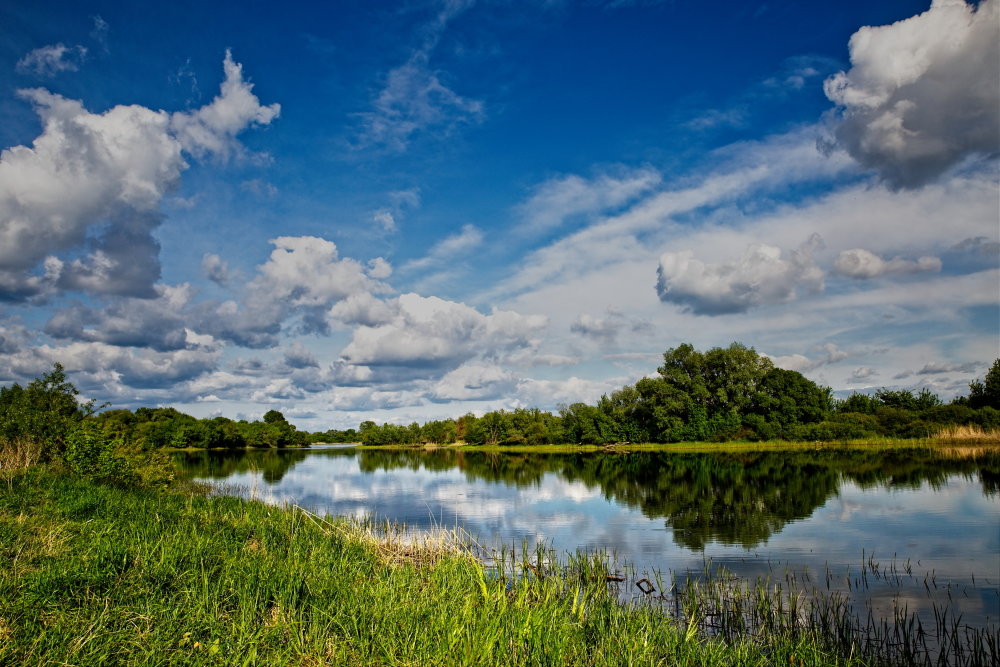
(404, 211)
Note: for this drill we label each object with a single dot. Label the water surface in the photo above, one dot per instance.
(904, 527)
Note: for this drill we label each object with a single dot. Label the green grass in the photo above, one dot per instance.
(95, 575)
(705, 447)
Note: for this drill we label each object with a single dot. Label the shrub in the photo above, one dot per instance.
(101, 452)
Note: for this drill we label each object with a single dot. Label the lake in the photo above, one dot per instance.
(914, 528)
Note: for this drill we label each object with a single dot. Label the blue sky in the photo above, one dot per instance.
(409, 210)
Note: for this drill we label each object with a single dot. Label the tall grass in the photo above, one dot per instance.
(18, 454)
(967, 434)
(95, 575)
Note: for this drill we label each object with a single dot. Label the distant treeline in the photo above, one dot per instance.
(724, 394)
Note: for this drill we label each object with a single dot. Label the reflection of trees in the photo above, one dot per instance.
(730, 498)
(734, 498)
(272, 463)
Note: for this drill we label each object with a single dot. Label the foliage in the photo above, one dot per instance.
(985, 393)
(720, 395)
(41, 414)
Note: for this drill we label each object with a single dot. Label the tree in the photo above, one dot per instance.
(274, 417)
(986, 393)
(44, 412)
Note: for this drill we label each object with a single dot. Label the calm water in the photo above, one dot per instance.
(819, 516)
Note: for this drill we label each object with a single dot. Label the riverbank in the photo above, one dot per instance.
(100, 575)
(991, 440)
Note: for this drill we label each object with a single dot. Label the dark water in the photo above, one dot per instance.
(917, 527)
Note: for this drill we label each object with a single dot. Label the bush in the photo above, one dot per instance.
(101, 452)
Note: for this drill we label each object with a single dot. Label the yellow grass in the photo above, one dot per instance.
(968, 434)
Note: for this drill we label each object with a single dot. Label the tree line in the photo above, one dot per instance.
(724, 394)
(44, 422)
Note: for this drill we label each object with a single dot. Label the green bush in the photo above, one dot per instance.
(103, 453)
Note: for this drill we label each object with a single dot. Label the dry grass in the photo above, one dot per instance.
(396, 545)
(964, 434)
(19, 454)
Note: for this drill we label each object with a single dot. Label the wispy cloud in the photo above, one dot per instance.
(47, 61)
(416, 98)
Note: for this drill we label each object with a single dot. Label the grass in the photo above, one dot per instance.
(96, 575)
(947, 437)
(967, 434)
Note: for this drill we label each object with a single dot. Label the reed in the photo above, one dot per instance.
(967, 434)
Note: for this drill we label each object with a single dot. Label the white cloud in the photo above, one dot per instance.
(47, 61)
(363, 309)
(160, 323)
(297, 356)
(923, 93)
(474, 381)
(549, 394)
(212, 129)
(116, 370)
(379, 268)
(215, 268)
(93, 183)
(450, 248)
(763, 275)
(400, 201)
(303, 276)
(859, 263)
(414, 99)
(438, 335)
(803, 364)
(935, 368)
(863, 373)
(385, 219)
(557, 199)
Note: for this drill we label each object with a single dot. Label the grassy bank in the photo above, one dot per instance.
(988, 439)
(95, 575)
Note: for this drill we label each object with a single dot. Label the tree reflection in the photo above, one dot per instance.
(733, 498)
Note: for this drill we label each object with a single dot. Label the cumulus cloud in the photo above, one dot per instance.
(297, 356)
(861, 264)
(114, 370)
(379, 268)
(363, 309)
(549, 394)
(212, 129)
(763, 275)
(91, 185)
(431, 333)
(215, 268)
(863, 373)
(474, 381)
(47, 61)
(305, 276)
(803, 364)
(605, 329)
(160, 323)
(922, 94)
